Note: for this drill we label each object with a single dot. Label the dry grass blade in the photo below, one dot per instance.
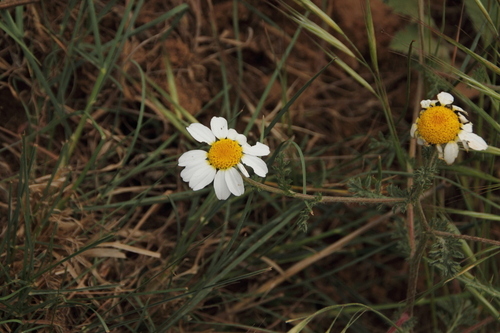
(15, 3)
(100, 233)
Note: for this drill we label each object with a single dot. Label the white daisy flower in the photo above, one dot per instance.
(443, 125)
(228, 152)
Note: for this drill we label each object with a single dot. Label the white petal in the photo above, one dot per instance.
(202, 178)
(232, 134)
(458, 108)
(450, 152)
(463, 119)
(473, 140)
(234, 181)
(258, 165)
(413, 130)
(243, 170)
(191, 170)
(192, 157)
(242, 140)
(466, 145)
(421, 142)
(219, 127)
(201, 133)
(466, 128)
(444, 98)
(440, 151)
(259, 149)
(221, 190)
(426, 103)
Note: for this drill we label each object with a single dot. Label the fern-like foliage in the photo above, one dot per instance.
(424, 176)
(434, 82)
(282, 172)
(456, 313)
(368, 187)
(385, 147)
(400, 233)
(397, 192)
(306, 213)
(445, 250)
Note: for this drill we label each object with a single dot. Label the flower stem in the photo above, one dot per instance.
(417, 252)
(323, 199)
(415, 258)
(466, 237)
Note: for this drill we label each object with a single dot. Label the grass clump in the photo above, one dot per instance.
(354, 227)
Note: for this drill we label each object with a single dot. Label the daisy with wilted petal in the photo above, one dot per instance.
(227, 154)
(443, 125)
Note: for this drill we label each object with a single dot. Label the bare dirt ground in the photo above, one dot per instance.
(195, 57)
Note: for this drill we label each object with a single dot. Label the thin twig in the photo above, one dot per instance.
(466, 237)
(14, 3)
(417, 252)
(324, 199)
(415, 259)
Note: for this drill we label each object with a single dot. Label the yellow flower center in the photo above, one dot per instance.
(225, 154)
(438, 125)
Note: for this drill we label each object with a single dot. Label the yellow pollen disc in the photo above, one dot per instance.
(225, 154)
(438, 125)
